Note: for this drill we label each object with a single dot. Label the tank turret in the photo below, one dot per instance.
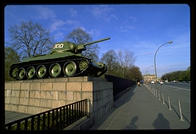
(71, 47)
(64, 60)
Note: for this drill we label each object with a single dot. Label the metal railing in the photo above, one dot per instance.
(54, 119)
(119, 84)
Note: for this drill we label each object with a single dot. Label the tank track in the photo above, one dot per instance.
(91, 70)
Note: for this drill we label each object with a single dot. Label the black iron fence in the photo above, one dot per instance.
(55, 119)
(119, 84)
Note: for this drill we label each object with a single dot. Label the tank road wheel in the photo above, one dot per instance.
(102, 71)
(70, 68)
(30, 72)
(41, 71)
(83, 65)
(21, 73)
(55, 70)
(14, 73)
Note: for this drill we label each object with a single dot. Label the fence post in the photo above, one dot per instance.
(169, 104)
(181, 116)
(159, 96)
(163, 99)
(156, 92)
(89, 107)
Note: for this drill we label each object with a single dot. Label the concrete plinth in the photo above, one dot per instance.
(35, 96)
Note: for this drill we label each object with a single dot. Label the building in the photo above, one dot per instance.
(149, 77)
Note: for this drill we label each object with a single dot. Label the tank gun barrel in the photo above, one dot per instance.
(96, 41)
(82, 47)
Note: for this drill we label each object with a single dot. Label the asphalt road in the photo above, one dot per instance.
(176, 91)
(179, 84)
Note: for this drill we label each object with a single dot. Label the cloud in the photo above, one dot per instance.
(48, 14)
(72, 22)
(104, 12)
(128, 24)
(45, 13)
(73, 12)
(100, 10)
(56, 24)
(92, 32)
(126, 28)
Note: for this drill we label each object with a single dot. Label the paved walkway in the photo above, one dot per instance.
(12, 116)
(139, 109)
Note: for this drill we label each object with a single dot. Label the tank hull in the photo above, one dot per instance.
(63, 65)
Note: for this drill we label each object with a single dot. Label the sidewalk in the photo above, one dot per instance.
(139, 109)
(12, 116)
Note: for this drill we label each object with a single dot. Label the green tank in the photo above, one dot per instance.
(64, 60)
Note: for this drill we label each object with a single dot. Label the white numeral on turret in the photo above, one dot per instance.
(59, 45)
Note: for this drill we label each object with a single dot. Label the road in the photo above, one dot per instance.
(176, 91)
(179, 84)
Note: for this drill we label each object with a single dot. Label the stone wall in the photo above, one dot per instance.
(35, 96)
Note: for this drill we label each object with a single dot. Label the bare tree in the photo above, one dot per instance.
(134, 73)
(110, 59)
(30, 39)
(11, 57)
(79, 36)
(126, 60)
(118, 63)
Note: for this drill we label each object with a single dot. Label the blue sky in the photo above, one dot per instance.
(139, 28)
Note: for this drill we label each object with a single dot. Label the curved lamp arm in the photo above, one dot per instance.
(170, 42)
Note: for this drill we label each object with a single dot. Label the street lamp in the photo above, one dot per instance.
(170, 42)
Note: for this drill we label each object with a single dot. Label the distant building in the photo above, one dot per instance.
(149, 77)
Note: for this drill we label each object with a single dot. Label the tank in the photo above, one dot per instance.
(64, 60)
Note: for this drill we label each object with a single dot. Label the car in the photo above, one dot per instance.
(138, 83)
(152, 82)
(161, 82)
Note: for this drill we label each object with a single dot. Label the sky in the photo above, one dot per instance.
(138, 28)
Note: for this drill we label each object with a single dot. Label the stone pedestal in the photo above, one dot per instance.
(35, 96)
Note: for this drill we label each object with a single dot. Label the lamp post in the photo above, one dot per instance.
(170, 42)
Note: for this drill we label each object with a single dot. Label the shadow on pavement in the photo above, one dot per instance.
(161, 122)
(132, 123)
(117, 103)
